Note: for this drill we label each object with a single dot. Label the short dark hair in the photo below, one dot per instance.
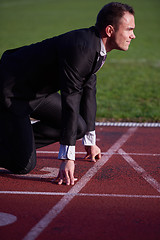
(111, 13)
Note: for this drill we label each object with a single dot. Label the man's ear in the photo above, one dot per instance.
(109, 30)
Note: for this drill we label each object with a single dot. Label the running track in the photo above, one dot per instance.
(117, 198)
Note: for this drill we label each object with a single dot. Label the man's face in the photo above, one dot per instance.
(122, 37)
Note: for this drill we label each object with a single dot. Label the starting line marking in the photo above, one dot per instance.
(79, 194)
(83, 153)
(64, 201)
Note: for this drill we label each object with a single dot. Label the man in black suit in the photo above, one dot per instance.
(30, 78)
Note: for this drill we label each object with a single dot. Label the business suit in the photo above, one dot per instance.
(30, 75)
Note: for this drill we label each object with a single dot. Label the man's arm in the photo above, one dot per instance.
(76, 61)
(87, 107)
(76, 64)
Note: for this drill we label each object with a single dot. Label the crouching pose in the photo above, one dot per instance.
(31, 78)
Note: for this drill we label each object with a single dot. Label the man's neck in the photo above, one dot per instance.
(107, 43)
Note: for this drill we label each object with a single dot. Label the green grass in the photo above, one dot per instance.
(128, 85)
(130, 92)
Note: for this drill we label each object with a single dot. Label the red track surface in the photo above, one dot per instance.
(118, 198)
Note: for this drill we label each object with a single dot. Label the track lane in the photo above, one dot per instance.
(123, 206)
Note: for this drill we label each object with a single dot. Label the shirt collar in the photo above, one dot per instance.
(103, 50)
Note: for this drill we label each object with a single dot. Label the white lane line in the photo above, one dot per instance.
(140, 170)
(128, 124)
(121, 124)
(83, 153)
(47, 219)
(80, 194)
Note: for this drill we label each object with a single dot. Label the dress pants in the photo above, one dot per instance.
(19, 139)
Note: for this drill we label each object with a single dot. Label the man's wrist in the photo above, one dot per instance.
(66, 152)
(89, 138)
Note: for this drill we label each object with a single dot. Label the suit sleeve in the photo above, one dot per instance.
(88, 105)
(75, 69)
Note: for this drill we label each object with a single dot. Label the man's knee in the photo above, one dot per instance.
(17, 166)
(22, 170)
(28, 166)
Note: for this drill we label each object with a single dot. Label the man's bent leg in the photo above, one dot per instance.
(48, 129)
(17, 148)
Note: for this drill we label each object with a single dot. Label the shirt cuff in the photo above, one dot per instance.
(66, 152)
(89, 138)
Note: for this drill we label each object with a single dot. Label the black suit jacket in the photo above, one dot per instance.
(68, 63)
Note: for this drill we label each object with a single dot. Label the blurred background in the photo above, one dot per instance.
(128, 85)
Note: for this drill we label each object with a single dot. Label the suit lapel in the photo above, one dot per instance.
(99, 63)
(99, 60)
